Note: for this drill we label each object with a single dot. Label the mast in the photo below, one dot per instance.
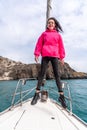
(48, 9)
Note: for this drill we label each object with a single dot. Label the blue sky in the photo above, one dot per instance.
(22, 21)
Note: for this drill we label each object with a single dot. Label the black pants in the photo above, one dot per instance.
(44, 63)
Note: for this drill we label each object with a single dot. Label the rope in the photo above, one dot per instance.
(19, 120)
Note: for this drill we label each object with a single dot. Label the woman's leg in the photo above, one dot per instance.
(44, 63)
(54, 62)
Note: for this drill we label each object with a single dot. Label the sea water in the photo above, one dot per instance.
(78, 89)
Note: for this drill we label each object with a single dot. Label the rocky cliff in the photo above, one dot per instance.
(12, 70)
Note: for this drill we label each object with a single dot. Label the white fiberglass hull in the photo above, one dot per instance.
(42, 116)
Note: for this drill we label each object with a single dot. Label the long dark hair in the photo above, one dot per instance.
(57, 24)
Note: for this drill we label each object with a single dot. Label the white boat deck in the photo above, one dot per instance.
(42, 116)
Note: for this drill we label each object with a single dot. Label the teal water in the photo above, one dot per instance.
(78, 89)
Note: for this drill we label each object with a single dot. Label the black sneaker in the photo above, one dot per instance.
(62, 100)
(35, 99)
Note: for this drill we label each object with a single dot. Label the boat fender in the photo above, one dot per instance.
(44, 95)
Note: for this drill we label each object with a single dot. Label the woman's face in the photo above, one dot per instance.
(51, 24)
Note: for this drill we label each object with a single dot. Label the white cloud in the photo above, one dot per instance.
(21, 23)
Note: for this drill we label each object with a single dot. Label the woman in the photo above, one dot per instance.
(50, 47)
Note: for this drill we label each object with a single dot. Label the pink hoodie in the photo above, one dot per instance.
(50, 44)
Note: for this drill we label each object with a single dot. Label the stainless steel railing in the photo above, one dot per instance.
(23, 94)
(19, 85)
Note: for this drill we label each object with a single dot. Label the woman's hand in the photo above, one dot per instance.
(36, 59)
(62, 61)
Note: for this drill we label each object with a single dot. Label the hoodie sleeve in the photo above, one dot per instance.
(39, 46)
(61, 48)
